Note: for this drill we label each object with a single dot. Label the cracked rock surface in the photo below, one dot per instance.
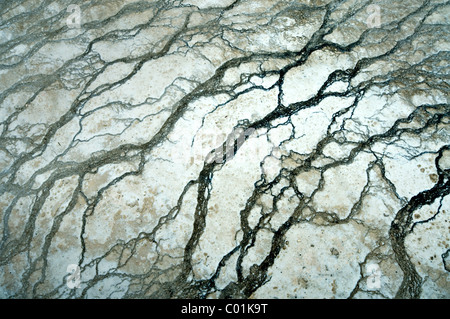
(224, 149)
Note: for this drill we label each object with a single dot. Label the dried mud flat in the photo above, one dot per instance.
(224, 149)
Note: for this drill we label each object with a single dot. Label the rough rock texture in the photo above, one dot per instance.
(224, 149)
